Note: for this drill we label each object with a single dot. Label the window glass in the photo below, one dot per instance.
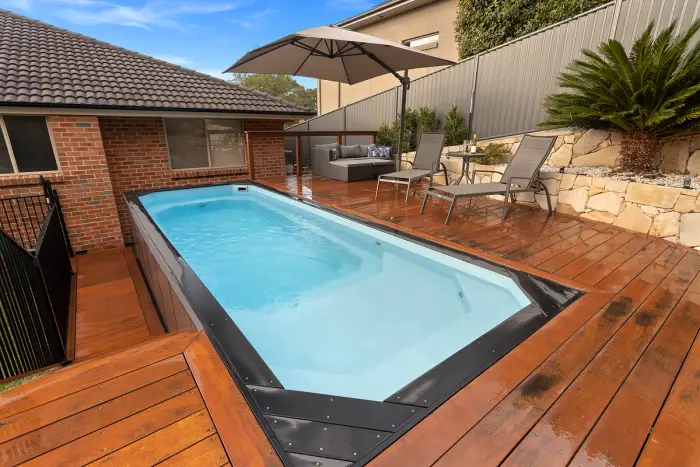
(31, 144)
(187, 143)
(226, 143)
(5, 162)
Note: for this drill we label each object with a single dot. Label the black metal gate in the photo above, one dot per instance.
(35, 283)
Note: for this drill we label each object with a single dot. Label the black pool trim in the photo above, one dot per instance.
(354, 431)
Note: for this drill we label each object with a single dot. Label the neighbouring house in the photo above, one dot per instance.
(98, 121)
(427, 25)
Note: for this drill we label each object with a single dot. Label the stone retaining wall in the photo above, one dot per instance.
(669, 213)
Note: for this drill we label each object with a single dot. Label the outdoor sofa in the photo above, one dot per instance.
(349, 163)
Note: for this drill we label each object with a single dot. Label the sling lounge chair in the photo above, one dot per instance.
(520, 176)
(425, 164)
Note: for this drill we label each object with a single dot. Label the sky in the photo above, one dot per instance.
(207, 36)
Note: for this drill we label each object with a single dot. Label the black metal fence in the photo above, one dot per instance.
(35, 283)
(21, 217)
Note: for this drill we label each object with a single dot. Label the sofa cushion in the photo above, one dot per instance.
(382, 161)
(350, 151)
(366, 149)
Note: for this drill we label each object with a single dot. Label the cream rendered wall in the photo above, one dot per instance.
(435, 17)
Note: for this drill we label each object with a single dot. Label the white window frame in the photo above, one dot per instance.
(424, 42)
(11, 152)
(206, 136)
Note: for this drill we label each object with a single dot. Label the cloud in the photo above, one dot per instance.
(245, 24)
(17, 4)
(151, 15)
(353, 5)
(182, 61)
(262, 13)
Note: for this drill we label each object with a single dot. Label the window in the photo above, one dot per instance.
(25, 145)
(429, 41)
(197, 143)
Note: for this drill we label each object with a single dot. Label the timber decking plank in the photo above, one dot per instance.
(240, 433)
(553, 250)
(71, 428)
(492, 438)
(573, 261)
(578, 409)
(114, 437)
(209, 452)
(611, 262)
(82, 375)
(554, 239)
(71, 404)
(623, 428)
(427, 441)
(162, 444)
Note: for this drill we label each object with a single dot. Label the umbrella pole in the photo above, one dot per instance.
(405, 81)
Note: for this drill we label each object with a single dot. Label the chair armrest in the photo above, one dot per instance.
(529, 180)
(321, 155)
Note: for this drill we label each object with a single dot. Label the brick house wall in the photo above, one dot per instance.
(138, 159)
(100, 159)
(83, 184)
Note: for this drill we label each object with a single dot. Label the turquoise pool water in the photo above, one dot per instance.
(332, 306)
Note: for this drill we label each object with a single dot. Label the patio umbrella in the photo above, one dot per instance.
(336, 54)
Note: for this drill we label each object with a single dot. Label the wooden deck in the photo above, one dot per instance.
(135, 396)
(614, 380)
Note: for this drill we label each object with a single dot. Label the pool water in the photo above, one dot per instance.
(331, 305)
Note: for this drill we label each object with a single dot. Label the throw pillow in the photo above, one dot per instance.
(350, 151)
(384, 152)
(334, 154)
(366, 148)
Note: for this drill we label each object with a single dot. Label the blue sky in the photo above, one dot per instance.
(207, 36)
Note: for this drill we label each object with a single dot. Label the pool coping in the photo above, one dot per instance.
(517, 328)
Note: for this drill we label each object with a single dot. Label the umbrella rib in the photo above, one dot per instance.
(381, 63)
(278, 46)
(307, 57)
(345, 68)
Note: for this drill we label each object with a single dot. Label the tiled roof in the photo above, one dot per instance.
(44, 65)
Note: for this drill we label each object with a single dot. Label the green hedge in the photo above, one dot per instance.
(483, 24)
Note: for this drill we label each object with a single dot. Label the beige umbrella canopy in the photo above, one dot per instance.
(336, 54)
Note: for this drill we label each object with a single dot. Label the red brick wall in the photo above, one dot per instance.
(138, 159)
(268, 150)
(83, 185)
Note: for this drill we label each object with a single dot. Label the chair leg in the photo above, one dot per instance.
(425, 201)
(549, 200)
(408, 190)
(469, 206)
(376, 194)
(505, 203)
(449, 213)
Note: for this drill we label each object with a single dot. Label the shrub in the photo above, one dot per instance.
(427, 120)
(484, 24)
(650, 93)
(454, 128)
(496, 153)
(410, 131)
(384, 135)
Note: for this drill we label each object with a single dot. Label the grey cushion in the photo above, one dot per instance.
(350, 151)
(365, 149)
(382, 161)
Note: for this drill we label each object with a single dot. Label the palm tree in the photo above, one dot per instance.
(649, 94)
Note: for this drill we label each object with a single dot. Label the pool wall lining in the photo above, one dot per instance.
(252, 374)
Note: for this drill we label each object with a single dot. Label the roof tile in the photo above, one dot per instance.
(43, 64)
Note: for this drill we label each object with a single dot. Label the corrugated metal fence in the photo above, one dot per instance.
(506, 85)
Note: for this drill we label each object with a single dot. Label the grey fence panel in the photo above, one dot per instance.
(368, 114)
(443, 89)
(332, 121)
(635, 15)
(514, 79)
(290, 144)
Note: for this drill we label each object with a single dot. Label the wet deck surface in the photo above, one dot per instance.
(135, 396)
(613, 380)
